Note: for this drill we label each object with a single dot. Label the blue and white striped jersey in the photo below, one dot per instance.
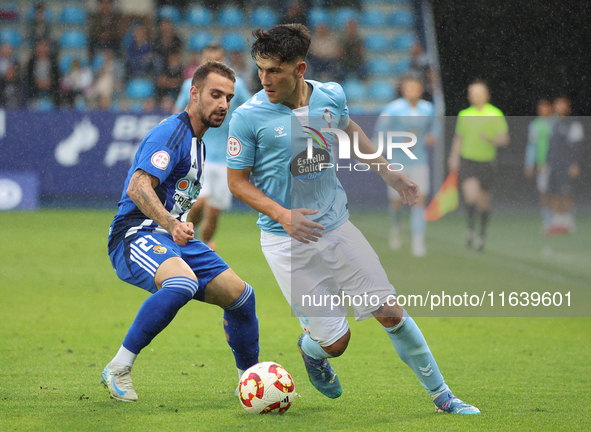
(171, 153)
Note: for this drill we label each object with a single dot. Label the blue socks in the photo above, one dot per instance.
(158, 311)
(413, 350)
(313, 349)
(242, 329)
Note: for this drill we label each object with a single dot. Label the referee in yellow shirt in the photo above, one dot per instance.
(480, 130)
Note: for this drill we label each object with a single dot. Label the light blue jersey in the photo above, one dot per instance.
(215, 139)
(400, 116)
(272, 140)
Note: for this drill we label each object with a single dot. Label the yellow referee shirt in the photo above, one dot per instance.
(472, 123)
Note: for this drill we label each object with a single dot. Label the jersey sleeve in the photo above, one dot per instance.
(502, 126)
(343, 108)
(460, 125)
(241, 143)
(156, 155)
(184, 96)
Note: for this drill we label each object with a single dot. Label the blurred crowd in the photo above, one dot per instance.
(122, 47)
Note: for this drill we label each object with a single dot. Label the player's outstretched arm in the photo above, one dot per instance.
(294, 222)
(409, 191)
(141, 191)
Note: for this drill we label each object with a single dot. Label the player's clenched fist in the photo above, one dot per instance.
(182, 233)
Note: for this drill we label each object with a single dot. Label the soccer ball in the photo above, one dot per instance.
(266, 388)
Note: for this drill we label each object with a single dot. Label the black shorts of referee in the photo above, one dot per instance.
(484, 171)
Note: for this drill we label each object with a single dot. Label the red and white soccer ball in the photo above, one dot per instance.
(266, 388)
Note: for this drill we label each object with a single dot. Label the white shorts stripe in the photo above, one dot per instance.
(139, 258)
(142, 265)
(143, 254)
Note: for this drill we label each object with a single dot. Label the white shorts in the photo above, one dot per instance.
(316, 279)
(418, 174)
(542, 179)
(215, 186)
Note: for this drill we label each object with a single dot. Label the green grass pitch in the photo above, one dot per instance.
(64, 313)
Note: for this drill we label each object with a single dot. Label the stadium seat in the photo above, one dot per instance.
(355, 90)
(318, 16)
(402, 18)
(365, 3)
(343, 15)
(374, 18)
(73, 15)
(380, 67)
(139, 88)
(402, 66)
(44, 105)
(169, 12)
(382, 90)
(73, 39)
(231, 16)
(404, 42)
(377, 43)
(263, 18)
(31, 14)
(97, 62)
(198, 41)
(233, 42)
(199, 16)
(11, 36)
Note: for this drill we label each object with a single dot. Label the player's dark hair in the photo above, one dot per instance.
(208, 67)
(285, 42)
(410, 78)
(481, 82)
(213, 47)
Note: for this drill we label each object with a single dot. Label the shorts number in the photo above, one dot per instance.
(142, 242)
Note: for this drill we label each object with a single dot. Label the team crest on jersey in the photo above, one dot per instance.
(327, 117)
(160, 250)
(160, 160)
(234, 146)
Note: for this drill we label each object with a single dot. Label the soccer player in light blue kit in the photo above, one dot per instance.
(306, 236)
(410, 113)
(215, 196)
(151, 242)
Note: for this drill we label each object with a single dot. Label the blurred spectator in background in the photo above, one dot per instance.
(166, 42)
(480, 130)
(139, 54)
(7, 58)
(421, 67)
(11, 88)
(39, 28)
(242, 69)
(43, 77)
(167, 104)
(410, 113)
(353, 58)
(171, 78)
(323, 54)
(191, 65)
(538, 141)
(149, 106)
(565, 153)
(296, 13)
(104, 28)
(109, 78)
(77, 85)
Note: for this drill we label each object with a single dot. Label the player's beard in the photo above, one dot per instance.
(208, 120)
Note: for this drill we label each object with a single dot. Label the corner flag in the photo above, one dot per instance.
(446, 200)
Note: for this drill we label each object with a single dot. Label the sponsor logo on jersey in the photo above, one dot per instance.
(279, 130)
(160, 250)
(186, 193)
(160, 160)
(234, 146)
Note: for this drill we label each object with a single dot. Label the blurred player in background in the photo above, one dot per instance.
(480, 130)
(297, 199)
(410, 113)
(564, 155)
(151, 240)
(215, 196)
(538, 141)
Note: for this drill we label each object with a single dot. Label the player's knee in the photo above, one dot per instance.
(389, 315)
(339, 347)
(173, 267)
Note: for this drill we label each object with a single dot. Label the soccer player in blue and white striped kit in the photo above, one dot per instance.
(151, 241)
(306, 237)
